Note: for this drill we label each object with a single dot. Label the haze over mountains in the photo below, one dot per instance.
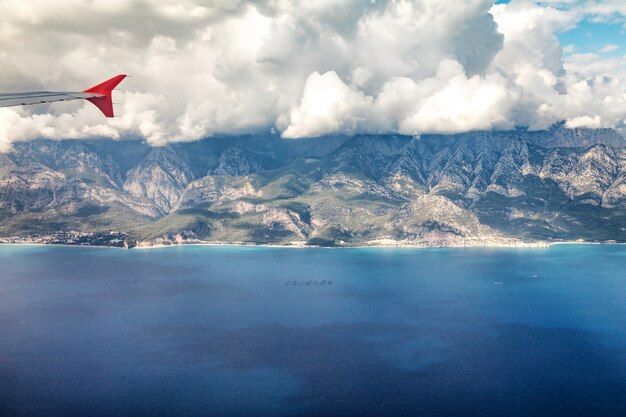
(434, 190)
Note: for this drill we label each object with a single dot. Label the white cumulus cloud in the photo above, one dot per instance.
(305, 68)
(328, 105)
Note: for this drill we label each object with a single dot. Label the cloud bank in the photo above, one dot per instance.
(305, 68)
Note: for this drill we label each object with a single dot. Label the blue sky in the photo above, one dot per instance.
(590, 37)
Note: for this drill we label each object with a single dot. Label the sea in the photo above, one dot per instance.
(262, 331)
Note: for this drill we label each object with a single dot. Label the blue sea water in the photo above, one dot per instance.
(243, 331)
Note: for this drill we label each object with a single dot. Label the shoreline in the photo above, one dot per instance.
(396, 245)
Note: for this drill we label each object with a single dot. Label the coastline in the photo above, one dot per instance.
(397, 245)
(385, 244)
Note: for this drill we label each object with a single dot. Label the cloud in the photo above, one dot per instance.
(464, 104)
(328, 105)
(305, 68)
(607, 49)
(570, 48)
(584, 121)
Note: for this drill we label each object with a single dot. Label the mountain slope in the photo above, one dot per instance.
(435, 190)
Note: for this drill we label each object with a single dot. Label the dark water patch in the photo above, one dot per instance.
(345, 370)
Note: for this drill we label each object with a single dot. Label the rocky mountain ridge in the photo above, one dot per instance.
(514, 187)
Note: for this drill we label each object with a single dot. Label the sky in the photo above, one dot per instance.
(308, 68)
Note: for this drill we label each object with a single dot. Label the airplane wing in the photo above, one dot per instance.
(99, 95)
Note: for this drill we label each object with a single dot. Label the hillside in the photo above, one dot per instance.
(435, 190)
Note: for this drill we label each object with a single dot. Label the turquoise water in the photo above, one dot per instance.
(241, 331)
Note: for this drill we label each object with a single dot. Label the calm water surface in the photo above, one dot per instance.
(236, 331)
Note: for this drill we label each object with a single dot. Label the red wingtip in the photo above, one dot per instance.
(104, 103)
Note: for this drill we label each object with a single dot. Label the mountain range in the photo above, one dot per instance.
(482, 188)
